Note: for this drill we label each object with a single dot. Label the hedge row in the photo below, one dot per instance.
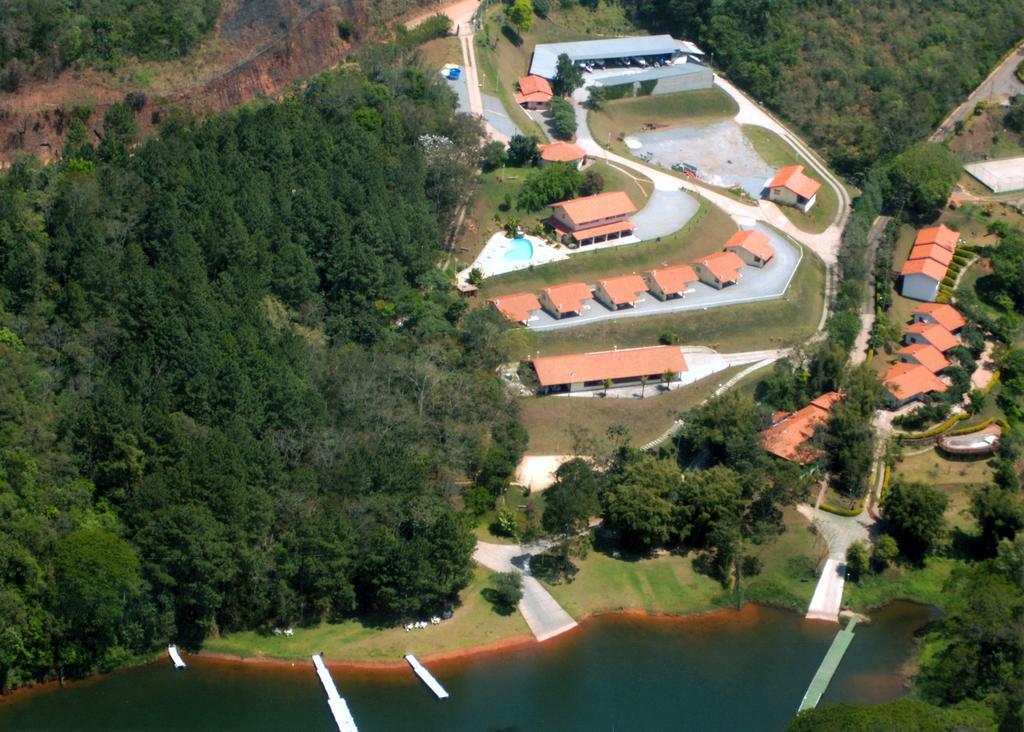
(937, 429)
(848, 512)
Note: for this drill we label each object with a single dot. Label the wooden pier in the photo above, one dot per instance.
(426, 676)
(172, 651)
(828, 667)
(339, 709)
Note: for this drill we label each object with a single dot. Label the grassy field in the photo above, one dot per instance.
(778, 153)
(669, 583)
(514, 498)
(549, 420)
(790, 565)
(703, 234)
(441, 51)
(986, 136)
(475, 623)
(755, 326)
(922, 584)
(954, 478)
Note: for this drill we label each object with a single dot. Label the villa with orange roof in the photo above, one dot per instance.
(921, 279)
(719, 269)
(617, 293)
(670, 282)
(925, 354)
(587, 371)
(789, 434)
(517, 306)
(534, 92)
(594, 219)
(754, 247)
(931, 333)
(562, 152)
(942, 313)
(565, 300)
(907, 382)
(792, 187)
(942, 235)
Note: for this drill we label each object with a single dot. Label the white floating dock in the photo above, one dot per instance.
(339, 709)
(427, 678)
(172, 651)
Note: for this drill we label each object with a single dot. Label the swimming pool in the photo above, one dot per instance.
(520, 251)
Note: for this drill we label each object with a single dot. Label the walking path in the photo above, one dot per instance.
(867, 314)
(540, 610)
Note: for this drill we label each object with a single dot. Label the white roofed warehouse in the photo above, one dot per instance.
(617, 51)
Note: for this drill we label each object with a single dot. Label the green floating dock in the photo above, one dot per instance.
(828, 667)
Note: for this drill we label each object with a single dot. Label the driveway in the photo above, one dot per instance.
(666, 212)
(494, 113)
(756, 285)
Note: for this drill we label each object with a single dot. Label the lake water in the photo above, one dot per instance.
(727, 671)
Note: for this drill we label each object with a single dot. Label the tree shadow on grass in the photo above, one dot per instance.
(497, 604)
(512, 35)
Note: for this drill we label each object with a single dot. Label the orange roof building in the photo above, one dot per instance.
(942, 313)
(942, 235)
(670, 282)
(563, 152)
(619, 292)
(594, 219)
(925, 354)
(517, 307)
(787, 437)
(534, 92)
(580, 371)
(932, 251)
(931, 333)
(792, 187)
(753, 246)
(719, 269)
(921, 279)
(906, 382)
(565, 299)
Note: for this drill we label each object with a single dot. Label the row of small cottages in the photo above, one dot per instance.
(930, 336)
(617, 293)
(928, 261)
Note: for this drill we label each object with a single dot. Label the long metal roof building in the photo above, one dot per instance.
(545, 55)
(665, 72)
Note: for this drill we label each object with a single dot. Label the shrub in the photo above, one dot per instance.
(563, 119)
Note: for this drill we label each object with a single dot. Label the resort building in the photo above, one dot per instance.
(921, 279)
(907, 382)
(942, 235)
(931, 251)
(931, 333)
(618, 293)
(637, 50)
(563, 152)
(668, 283)
(924, 354)
(534, 92)
(677, 77)
(720, 269)
(754, 247)
(588, 371)
(944, 314)
(594, 219)
(792, 187)
(789, 434)
(565, 300)
(518, 306)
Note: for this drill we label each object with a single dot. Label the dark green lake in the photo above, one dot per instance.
(727, 671)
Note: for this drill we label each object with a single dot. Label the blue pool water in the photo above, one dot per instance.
(521, 251)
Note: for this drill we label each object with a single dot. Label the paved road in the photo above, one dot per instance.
(497, 117)
(666, 212)
(756, 285)
(867, 314)
(999, 85)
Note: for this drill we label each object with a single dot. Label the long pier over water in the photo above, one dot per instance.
(828, 667)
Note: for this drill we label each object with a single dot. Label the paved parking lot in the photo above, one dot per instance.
(769, 283)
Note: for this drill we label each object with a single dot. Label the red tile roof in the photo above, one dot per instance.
(754, 241)
(725, 266)
(532, 84)
(927, 355)
(932, 251)
(793, 178)
(568, 297)
(928, 267)
(576, 368)
(603, 229)
(786, 438)
(935, 334)
(562, 152)
(908, 380)
(532, 98)
(942, 235)
(942, 313)
(599, 206)
(516, 306)
(624, 288)
(674, 280)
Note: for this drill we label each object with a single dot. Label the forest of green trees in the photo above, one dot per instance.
(237, 390)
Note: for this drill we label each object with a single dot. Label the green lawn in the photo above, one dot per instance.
(955, 479)
(778, 153)
(704, 233)
(922, 584)
(441, 51)
(514, 498)
(790, 563)
(475, 623)
(755, 326)
(549, 421)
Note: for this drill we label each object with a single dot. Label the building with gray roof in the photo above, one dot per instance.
(545, 55)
